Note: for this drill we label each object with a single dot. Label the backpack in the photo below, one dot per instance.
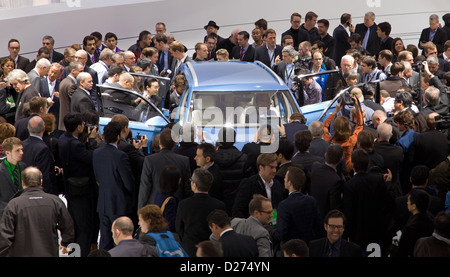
(167, 246)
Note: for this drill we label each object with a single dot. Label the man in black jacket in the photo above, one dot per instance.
(297, 33)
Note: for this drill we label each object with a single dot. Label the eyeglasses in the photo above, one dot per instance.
(340, 227)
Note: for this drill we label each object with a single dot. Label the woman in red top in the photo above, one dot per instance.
(342, 132)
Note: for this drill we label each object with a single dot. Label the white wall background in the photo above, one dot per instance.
(68, 21)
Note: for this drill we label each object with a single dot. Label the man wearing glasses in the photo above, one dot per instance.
(333, 245)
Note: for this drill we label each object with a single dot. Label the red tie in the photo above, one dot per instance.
(242, 53)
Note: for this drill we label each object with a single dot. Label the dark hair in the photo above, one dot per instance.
(325, 22)
(360, 160)
(208, 150)
(345, 17)
(98, 35)
(245, 34)
(143, 35)
(334, 154)
(302, 140)
(385, 27)
(285, 148)
(366, 140)
(203, 179)
(297, 177)
(226, 137)
(148, 82)
(420, 198)
(219, 217)
(110, 35)
(115, 69)
(442, 224)
(112, 131)
(334, 214)
(295, 246)
(160, 38)
(211, 248)
(87, 38)
(169, 180)
(72, 121)
(419, 175)
(165, 138)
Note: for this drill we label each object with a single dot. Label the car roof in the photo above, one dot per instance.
(231, 76)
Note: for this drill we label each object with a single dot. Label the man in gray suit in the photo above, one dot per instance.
(413, 80)
(261, 210)
(39, 71)
(81, 100)
(154, 165)
(66, 89)
(180, 57)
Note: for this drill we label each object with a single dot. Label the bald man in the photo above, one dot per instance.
(36, 153)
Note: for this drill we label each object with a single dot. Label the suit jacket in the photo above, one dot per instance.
(348, 248)
(249, 55)
(173, 65)
(36, 153)
(326, 187)
(35, 80)
(191, 224)
(23, 98)
(298, 36)
(115, 179)
(22, 127)
(253, 227)
(341, 36)
(57, 57)
(7, 187)
(262, 55)
(151, 170)
(54, 109)
(66, 89)
(298, 217)
(81, 102)
(78, 161)
(429, 148)
(393, 159)
(22, 62)
(292, 128)
(255, 185)
(368, 206)
(160, 62)
(238, 245)
(306, 159)
(439, 39)
(330, 42)
(420, 225)
(373, 43)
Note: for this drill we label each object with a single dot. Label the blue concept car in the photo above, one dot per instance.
(240, 95)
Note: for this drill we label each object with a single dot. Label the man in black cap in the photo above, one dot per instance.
(212, 27)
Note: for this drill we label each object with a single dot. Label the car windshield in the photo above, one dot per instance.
(246, 109)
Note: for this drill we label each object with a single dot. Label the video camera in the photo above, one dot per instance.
(442, 122)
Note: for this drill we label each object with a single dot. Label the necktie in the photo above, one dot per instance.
(16, 177)
(161, 63)
(242, 53)
(366, 38)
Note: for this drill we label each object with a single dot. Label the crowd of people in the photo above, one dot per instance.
(376, 171)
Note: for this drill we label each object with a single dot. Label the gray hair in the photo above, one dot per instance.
(106, 54)
(33, 128)
(118, 55)
(348, 57)
(289, 49)
(384, 131)
(432, 60)
(82, 77)
(52, 40)
(407, 66)
(18, 75)
(434, 17)
(431, 96)
(316, 128)
(371, 14)
(43, 62)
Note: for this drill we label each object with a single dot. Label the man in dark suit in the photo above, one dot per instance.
(81, 100)
(368, 33)
(233, 244)
(318, 145)
(205, 158)
(333, 245)
(177, 50)
(14, 49)
(49, 43)
(153, 166)
(297, 122)
(263, 183)
(392, 154)
(66, 89)
(229, 43)
(367, 192)
(298, 215)
(268, 53)
(243, 51)
(327, 180)
(433, 34)
(329, 41)
(302, 142)
(165, 58)
(116, 183)
(50, 89)
(21, 83)
(192, 212)
(10, 170)
(38, 106)
(341, 36)
(36, 153)
(81, 187)
(298, 34)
